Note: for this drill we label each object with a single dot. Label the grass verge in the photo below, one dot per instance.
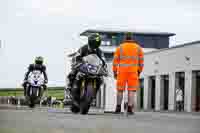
(57, 92)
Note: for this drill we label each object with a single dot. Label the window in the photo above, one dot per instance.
(109, 40)
(103, 43)
(106, 43)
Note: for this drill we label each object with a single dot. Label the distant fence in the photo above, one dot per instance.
(12, 100)
(15, 97)
(21, 101)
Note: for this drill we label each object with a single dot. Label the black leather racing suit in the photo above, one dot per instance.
(84, 51)
(32, 67)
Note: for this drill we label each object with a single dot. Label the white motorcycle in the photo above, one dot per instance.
(34, 88)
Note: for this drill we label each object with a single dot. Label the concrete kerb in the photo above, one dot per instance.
(162, 112)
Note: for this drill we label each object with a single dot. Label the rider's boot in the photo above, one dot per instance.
(130, 110)
(117, 109)
(24, 91)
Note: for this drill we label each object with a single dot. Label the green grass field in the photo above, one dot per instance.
(57, 92)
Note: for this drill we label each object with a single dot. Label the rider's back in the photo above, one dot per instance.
(38, 67)
(84, 51)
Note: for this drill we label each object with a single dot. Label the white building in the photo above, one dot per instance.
(168, 69)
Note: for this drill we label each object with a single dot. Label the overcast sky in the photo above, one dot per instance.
(47, 27)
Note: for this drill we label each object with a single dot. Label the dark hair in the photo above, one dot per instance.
(128, 36)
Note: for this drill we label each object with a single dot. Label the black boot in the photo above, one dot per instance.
(118, 109)
(74, 108)
(130, 110)
(24, 91)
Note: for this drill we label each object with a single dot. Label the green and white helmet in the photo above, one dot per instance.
(94, 41)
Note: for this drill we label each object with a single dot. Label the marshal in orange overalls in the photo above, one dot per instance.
(128, 64)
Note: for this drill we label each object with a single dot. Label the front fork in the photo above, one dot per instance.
(84, 85)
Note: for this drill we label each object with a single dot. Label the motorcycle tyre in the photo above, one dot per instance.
(86, 101)
(32, 99)
(85, 106)
(74, 109)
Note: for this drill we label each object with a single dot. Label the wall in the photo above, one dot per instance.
(172, 60)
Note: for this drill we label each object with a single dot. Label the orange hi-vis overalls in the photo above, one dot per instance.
(128, 63)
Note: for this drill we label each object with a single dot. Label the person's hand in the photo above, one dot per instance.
(115, 75)
(45, 81)
(25, 81)
(138, 74)
(105, 65)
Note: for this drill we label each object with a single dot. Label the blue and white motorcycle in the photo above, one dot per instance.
(34, 88)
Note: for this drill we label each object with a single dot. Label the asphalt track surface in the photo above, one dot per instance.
(50, 120)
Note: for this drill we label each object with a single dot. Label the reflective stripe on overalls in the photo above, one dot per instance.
(121, 57)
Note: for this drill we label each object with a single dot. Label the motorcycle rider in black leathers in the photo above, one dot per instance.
(94, 42)
(37, 66)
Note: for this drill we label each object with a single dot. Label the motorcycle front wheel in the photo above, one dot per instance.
(87, 98)
(75, 109)
(33, 94)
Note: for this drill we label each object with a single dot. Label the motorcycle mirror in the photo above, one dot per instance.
(72, 54)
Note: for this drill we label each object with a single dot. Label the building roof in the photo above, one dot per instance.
(111, 49)
(177, 46)
(138, 32)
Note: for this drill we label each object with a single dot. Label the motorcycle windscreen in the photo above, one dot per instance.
(93, 59)
(94, 63)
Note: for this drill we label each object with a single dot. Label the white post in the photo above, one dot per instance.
(172, 78)
(162, 92)
(158, 93)
(194, 91)
(188, 91)
(147, 93)
(111, 94)
(18, 102)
